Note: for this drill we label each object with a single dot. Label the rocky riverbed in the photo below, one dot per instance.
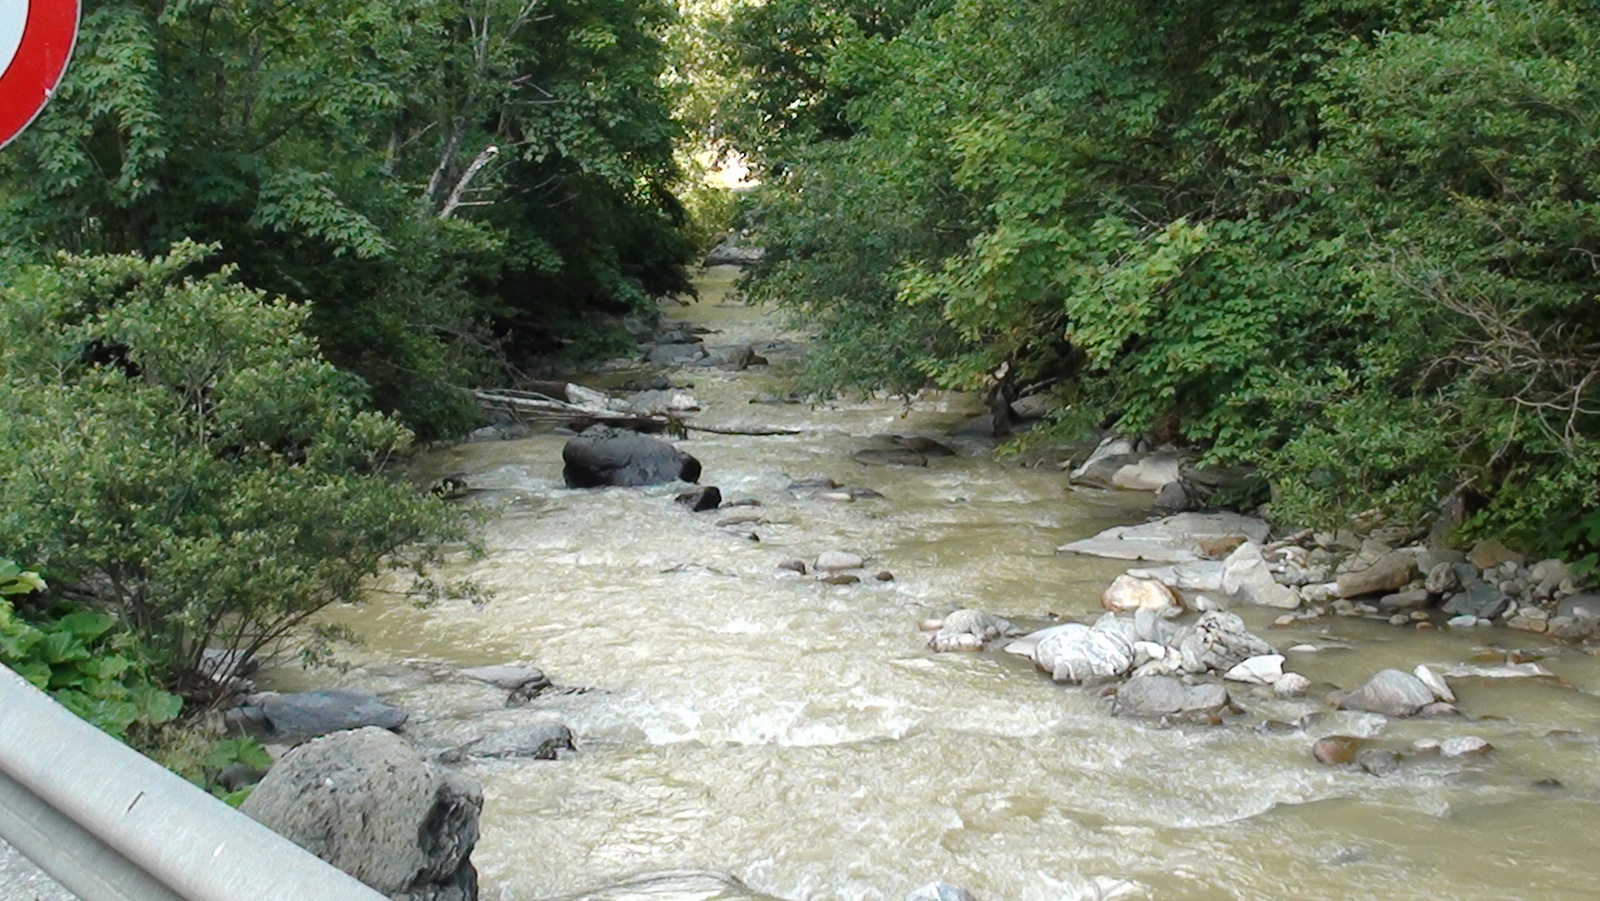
(750, 690)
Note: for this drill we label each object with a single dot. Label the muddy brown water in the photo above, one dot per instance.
(800, 737)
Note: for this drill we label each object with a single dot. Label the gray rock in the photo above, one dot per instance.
(1405, 600)
(1247, 578)
(1442, 579)
(1390, 692)
(668, 354)
(540, 740)
(602, 457)
(367, 803)
(889, 456)
(734, 358)
(1378, 761)
(1217, 642)
(1580, 607)
(293, 718)
(1465, 746)
(509, 676)
(1175, 497)
(835, 561)
(1174, 539)
(1480, 599)
(1158, 696)
(1388, 573)
(1489, 553)
(1196, 575)
(1149, 473)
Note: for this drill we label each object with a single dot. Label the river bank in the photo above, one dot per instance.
(741, 718)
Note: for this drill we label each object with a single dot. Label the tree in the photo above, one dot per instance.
(445, 179)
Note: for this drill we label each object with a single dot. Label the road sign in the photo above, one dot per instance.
(36, 39)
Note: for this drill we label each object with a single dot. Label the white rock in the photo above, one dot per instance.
(1150, 474)
(1464, 621)
(1291, 685)
(1174, 539)
(1435, 683)
(834, 561)
(1205, 603)
(1196, 575)
(1246, 576)
(1465, 746)
(1077, 653)
(1265, 669)
(1111, 446)
(1128, 593)
(1320, 592)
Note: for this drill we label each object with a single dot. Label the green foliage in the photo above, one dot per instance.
(327, 149)
(175, 448)
(1351, 241)
(83, 661)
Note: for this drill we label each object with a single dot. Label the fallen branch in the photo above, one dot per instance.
(539, 406)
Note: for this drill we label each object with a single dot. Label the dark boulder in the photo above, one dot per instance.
(597, 459)
(701, 499)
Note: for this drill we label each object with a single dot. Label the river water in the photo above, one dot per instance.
(800, 737)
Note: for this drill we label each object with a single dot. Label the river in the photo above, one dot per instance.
(800, 737)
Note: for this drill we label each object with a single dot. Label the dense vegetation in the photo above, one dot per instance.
(1356, 242)
(443, 180)
(250, 252)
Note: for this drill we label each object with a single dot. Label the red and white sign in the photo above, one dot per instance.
(36, 39)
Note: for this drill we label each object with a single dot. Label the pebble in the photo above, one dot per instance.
(798, 566)
(884, 576)
(1464, 621)
(842, 579)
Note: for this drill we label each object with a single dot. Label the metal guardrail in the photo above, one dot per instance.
(111, 825)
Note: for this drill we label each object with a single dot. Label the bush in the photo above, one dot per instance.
(175, 450)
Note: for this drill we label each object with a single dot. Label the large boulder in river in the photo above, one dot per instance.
(603, 457)
(367, 803)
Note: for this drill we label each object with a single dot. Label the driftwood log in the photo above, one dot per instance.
(540, 407)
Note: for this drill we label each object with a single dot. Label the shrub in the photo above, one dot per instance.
(175, 450)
